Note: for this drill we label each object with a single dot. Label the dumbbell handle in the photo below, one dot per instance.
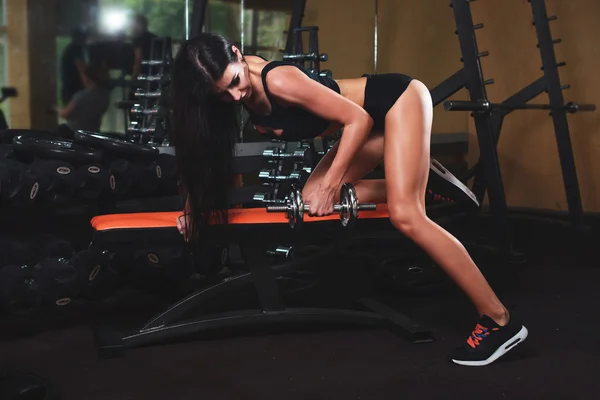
(336, 208)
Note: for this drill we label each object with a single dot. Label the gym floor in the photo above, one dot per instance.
(557, 291)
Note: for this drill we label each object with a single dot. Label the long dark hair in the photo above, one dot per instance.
(204, 129)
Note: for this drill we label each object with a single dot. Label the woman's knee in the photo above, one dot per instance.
(407, 217)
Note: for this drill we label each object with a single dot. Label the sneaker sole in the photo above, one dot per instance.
(449, 184)
(502, 350)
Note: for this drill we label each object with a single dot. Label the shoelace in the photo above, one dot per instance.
(437, 197)
(479, 333)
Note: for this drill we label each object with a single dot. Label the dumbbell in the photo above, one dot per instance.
(59, 281)
(121, 182)
(272, 176)
(267, 198)
(21, 290)
(304, 155)
(97, 179)
(19, 185)
(348, 207)
(167, 165)
(59, 178)
(146, 177)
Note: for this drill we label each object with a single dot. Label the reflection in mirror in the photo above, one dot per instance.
(116, 36)
(77, 64)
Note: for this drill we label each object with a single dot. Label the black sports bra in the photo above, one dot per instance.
(296, 123)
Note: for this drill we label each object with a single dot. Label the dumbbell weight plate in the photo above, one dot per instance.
(20, 185)
(6, 151)
(114, 145)
(98, 275)
(168, 170)
(20, 290)
(349, 203)
(121, 182)
(295, 207)
(60, 282)
(7, 136)
(146, 177)
(96, 180)
(61, 179)
(28, 148)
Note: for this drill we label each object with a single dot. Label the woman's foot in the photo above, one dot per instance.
(488, 342)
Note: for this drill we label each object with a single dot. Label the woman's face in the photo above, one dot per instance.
(235, 83)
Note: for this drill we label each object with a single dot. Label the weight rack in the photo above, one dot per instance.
(549, 83)
(146, 120)
(471, 78)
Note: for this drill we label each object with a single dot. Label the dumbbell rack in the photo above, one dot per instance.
(148, 122)
(290, 164)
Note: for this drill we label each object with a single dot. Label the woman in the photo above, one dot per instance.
(385, 117)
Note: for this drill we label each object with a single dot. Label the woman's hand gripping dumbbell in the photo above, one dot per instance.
(348, 207)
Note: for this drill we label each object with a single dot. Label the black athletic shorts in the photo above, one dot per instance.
(381, 93)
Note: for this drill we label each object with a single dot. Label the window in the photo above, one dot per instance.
(3, 60)
(264, 30)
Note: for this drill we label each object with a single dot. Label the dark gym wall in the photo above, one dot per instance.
(528, 152)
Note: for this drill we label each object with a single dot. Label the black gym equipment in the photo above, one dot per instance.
(69, 170)
(161, 270)
(98, 275)
(489, 122)
(264, 278)
(146, 118)
(17, 385)
(19, 185)
(59, 282)
(134, 166)
(7, 136)
(114, 145)
(21, 290)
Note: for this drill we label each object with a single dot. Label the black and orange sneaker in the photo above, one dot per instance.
(488, 342)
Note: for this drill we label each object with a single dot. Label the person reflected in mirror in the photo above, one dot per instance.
(88, 106)
(142, 45)
(72, 65)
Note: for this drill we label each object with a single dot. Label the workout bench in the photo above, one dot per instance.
(169, 325)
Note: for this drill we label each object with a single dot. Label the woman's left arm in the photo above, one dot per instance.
(292, 86)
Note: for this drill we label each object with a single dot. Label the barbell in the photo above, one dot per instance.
(348, 207)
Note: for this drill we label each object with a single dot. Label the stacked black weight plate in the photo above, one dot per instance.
(161, 271)
(97, 273)
(20, 290)
(134, 166)
(65, 170)
(19, 186)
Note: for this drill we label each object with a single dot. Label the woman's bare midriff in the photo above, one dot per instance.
(353, 89)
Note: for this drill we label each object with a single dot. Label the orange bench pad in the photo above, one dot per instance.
(237, 216)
